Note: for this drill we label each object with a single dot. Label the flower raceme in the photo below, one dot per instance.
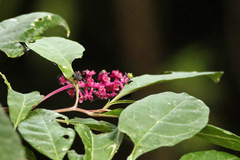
(106, 86)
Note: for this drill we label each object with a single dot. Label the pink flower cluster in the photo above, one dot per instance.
(106, 86)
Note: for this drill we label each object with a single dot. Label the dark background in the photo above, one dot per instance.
(141, 36)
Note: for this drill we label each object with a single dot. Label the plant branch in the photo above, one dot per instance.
(55, 92)
(77, 96)
(92, 113)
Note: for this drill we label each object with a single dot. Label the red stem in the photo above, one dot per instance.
(55, 92)
(93, 113)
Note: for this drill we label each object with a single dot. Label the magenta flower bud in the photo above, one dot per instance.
(63, 80)
(104, 88)
(116, 74)
(71, 92)
(89, 73)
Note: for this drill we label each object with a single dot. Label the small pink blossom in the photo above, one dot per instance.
(116, 74)
(63, 80)
(71, 92)
(107, 86)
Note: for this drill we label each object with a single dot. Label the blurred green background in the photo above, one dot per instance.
(141, 36)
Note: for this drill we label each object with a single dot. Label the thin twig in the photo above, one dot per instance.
(92, 113)
(77, 96)
(54, 92)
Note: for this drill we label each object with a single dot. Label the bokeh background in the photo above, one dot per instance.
(141, 36)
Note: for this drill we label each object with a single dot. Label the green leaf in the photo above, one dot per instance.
(43, 133)
(60, 51)
(209, 155)
(10, 143)
(163, 119)
(21, 104)
(220, 137)
(101, 126)
(26, 28)
(72, 155)
(147, 80)
(115, 112)
(99, 147)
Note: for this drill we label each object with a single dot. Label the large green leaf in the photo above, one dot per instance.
(163, 119)
(209, 155)
(26, 28)
(99, 147)
(43, 133)
(10, 143)
(220, 137)
(147, 80)
(101, 126)
(58, 50)
(21, 104)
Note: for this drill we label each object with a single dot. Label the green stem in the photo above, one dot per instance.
(107, 105)
(77, 96)
(115, 101)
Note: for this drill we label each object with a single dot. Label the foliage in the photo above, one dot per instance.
(158, 120)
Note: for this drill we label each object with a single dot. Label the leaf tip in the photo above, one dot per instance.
(216, 76)
(68, 33)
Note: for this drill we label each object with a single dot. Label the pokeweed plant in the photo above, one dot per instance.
(158, 120)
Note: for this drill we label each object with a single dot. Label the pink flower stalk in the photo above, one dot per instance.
(107, 86)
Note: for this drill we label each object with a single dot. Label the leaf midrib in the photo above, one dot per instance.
(18, 118)
(53, 144)
(61, 55)
(135, 146)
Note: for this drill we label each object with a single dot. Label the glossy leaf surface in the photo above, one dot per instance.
(99, 147)
(26, 28)
(58, 50)
(43, 133)
(147, 80)
(163, 119)
(209, 155)
(220, 137)
(21, 104)
(10, 143)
